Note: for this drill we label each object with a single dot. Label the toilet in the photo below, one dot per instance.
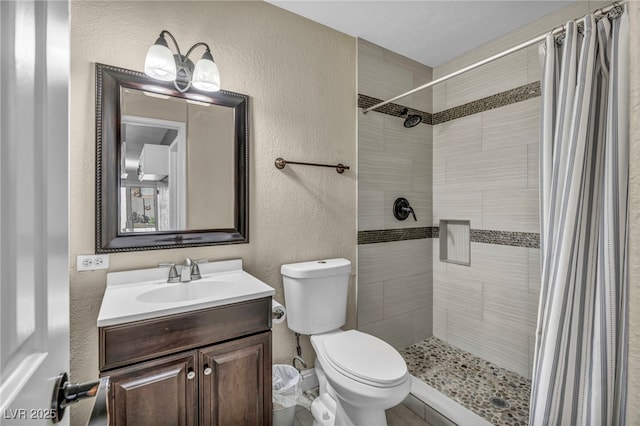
(360, 376)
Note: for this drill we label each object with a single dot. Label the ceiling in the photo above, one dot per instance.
(427, 31)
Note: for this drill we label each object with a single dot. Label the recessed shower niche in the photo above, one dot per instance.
(455, 242)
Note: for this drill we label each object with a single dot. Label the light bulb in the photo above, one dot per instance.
(159, 63)
(206, 75)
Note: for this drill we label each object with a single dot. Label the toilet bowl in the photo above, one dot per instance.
(363, 375)
(360, 376)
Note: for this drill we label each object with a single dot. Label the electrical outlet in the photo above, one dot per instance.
(92, 262)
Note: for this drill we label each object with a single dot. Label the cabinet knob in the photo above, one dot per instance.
(191, 374)
(207, 370)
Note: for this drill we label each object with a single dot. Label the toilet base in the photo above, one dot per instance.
(322, 415)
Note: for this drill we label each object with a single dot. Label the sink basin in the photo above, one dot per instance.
(144, 293)
(183, 291)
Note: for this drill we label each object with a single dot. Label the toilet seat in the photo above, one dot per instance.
(364, 358)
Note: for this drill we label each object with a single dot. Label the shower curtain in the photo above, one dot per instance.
(579, 373)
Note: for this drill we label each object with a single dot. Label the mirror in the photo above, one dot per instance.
(171, 167)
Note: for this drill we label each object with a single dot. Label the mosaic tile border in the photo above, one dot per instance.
(394, 110)
(502, 238)
(506, 238)
(390, 235)
(519, 94)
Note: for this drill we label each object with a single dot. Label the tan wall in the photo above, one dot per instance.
(394, 278)
(633, 397)
(302, 107)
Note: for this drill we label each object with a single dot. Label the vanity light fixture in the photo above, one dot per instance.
(162, 64)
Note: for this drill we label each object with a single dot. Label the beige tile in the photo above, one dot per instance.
(371, 210)
(385, 171)
(492, 169)
(397, 331)
(421, 75)
(438, 267)
(365, 47)
(381, 79)
(304, 418)
(415, 405)
(458, 295)
(387, 261)
(420, 202)
(515, 124)
(503, 266)
(407, 294)
(533, 165)
(510, 308)
(406, 416)
(439, 97)
(415, 141)
(422, 324)
(534, 63)
(503, 74)
(439, 321)
(511, 210)
(439, 174)
(457, 137)
(370, 303)
(422, 174)
(423, 100)
(370, 133)
(534, 270)
(504, 347)
(457, 204)
(434, 418)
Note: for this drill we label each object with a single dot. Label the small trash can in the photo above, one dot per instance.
(286, 387)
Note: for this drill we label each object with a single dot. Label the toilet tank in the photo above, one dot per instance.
(316, 295)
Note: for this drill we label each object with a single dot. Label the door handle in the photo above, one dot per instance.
(207, 370)
(65, 393)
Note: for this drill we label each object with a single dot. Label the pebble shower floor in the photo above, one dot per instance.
(495, 394)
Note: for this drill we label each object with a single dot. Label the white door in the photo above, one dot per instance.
(34, 286)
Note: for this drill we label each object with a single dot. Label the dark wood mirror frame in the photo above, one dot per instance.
(109, 239)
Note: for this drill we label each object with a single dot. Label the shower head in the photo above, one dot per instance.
(411, 120)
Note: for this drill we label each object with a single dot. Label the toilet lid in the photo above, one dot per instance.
(365, 357)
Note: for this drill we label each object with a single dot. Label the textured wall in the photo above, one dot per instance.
(394, 278)
(633, 398)
(302, 107)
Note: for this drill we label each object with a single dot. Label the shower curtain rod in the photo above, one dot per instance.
(538, 39)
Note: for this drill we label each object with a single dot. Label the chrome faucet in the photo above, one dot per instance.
(185, 272)
(189, 271)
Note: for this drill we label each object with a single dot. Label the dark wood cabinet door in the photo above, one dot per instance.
(160, 392)
(235, 382)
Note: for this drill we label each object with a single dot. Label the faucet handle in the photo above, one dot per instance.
(195, 271)
(173, 272)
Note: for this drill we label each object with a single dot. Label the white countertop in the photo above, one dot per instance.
(144, 293)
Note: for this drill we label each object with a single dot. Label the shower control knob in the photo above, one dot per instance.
(402, 209)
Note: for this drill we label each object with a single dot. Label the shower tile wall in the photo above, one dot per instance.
(394, 278)
(485, 169)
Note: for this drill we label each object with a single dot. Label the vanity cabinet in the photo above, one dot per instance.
(206, 367)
